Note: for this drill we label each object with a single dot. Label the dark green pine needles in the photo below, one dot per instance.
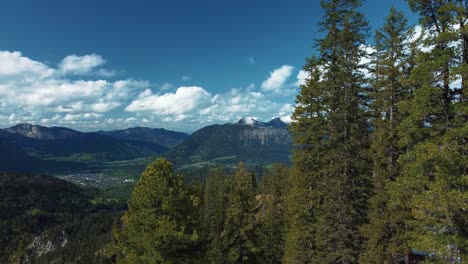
(331, 172)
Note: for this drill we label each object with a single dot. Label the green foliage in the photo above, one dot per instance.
(430, 193)
(157, 228)
(40, 210)
(214, 205)
(330, 179)
(271, 214)
(67, 152)
(392, 67)
(239, 238)
(160, 136)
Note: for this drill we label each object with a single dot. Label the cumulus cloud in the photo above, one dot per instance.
(277, 78)
(74, 64)
(14, 64)
(286, 109)
(184, 100)
(28, 84)
(81, 117)
(301, 77)
(286, 119)
(70, 95)
(36, 92)
(166, 86)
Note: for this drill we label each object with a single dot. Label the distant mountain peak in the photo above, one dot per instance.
(23, 126)
(42, 132)
(278, 122)
(248, 140)
(249, 121)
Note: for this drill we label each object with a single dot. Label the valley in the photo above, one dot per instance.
(107, 159)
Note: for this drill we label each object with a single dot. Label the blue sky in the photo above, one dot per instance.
(177, 64)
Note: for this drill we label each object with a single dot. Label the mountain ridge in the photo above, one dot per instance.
(32, 148)
(166, 138)
(248, 140)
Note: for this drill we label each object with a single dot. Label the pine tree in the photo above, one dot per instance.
(239, 238)
(331, 176)
(271, 214)
(214, 214)
(433, 181)
(392, 65)
(157, 228)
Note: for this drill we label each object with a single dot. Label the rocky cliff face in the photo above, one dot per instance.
(44, 244)
(265, 136)
(250, 141)
(42, 133)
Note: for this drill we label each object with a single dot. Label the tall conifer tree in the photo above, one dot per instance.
(434, 169)
(331, 175)
(214, 214)
(392, 63)
(239, 238)
(157, 228)
(271, 214)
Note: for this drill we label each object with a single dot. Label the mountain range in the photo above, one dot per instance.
(34, 148)
(37, 148)
(250, 141)
(161, 136)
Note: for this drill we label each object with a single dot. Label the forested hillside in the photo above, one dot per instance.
(253, 142)
(166, 138)
(47, 220)
(379, 171)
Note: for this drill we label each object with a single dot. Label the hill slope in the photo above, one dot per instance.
(70, 145)
(48, 220)
(14, 158)
(43, 133)
(166, 138)
(250, 141)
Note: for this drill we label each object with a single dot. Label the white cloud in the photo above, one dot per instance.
(74, 64)
(256, 94)
(106, 73)
(72, 107)
(102, 106)
(35, 92)
(286, 109)
(252, 60)
(166, 86)
(184, 100)
(277, 78)
(81, 117)
(186, 78)
(14, 63)
(54, 91)
(70, 95)
(130, 119)
(286, 119)
(301, 77)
